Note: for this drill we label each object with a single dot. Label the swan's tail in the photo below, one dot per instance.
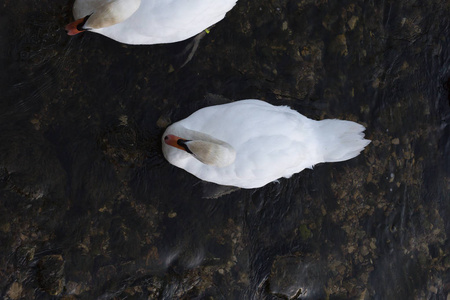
(342, 140)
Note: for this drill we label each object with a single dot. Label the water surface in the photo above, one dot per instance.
(90, 209)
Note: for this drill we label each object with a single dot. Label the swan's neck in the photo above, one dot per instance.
(212, 153)
(203, 147)
(111, 13)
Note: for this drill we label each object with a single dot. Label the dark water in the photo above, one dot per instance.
(90, 208)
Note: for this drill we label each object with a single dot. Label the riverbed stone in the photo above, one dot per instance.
(296, 278)
(50, 274)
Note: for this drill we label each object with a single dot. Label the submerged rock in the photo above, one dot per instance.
(50, 274)
(14, 291)
(297, 278)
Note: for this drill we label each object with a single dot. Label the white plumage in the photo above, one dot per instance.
(150, 21)
(269, 142)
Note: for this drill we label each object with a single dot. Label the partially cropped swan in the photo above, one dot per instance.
(250, 143)
(147, 21)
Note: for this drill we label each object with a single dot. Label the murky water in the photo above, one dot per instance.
(90, 208)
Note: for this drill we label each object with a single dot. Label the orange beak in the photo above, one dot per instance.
(172, 140)
(72, 28)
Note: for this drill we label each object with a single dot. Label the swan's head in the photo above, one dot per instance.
(213, 153)
(108, 14)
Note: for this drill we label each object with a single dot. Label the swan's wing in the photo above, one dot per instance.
(270, 141)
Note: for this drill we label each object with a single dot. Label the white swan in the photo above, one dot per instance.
(147, 21)
(250, 143)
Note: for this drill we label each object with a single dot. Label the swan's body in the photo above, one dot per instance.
(264, 142)
(147, 21)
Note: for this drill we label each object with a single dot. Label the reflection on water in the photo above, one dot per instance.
(90, 208)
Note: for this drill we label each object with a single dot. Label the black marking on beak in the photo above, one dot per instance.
(80, 26)
(182, 143)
